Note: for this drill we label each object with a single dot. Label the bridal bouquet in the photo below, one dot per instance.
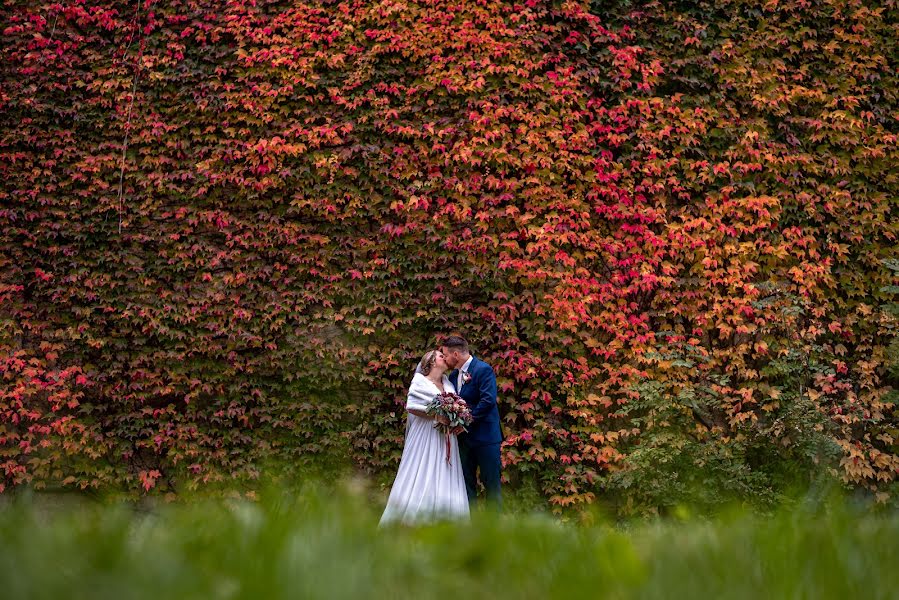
(456, 411)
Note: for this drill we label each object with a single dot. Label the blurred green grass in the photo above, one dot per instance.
(323, 542)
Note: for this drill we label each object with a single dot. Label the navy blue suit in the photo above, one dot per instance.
(479, 448)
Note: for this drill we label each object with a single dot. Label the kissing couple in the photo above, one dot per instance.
(433, 481)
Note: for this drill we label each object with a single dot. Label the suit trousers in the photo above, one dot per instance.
(487, 460)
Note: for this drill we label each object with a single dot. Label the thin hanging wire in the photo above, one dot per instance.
(130, 104)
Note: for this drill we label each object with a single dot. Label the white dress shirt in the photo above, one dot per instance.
(464, 369)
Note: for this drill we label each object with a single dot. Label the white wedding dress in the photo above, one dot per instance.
(425, 487)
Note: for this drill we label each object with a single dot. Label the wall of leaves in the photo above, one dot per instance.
(230, 229)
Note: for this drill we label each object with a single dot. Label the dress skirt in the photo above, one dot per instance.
(426, 487)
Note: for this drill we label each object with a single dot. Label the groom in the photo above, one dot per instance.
(479, 448)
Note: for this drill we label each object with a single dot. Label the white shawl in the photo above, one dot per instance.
(422, 390)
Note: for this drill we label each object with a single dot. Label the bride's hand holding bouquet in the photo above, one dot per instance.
(451, 414)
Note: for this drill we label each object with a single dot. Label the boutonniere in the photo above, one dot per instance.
(466, 377)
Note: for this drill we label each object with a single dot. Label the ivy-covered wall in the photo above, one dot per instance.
(230, 229)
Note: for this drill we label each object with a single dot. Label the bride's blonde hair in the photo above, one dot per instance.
(427, 362)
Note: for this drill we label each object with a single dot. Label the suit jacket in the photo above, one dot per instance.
(480, 396)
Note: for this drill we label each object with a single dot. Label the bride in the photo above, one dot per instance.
(426, 487)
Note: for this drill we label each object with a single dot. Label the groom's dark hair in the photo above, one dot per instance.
(456, 342)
